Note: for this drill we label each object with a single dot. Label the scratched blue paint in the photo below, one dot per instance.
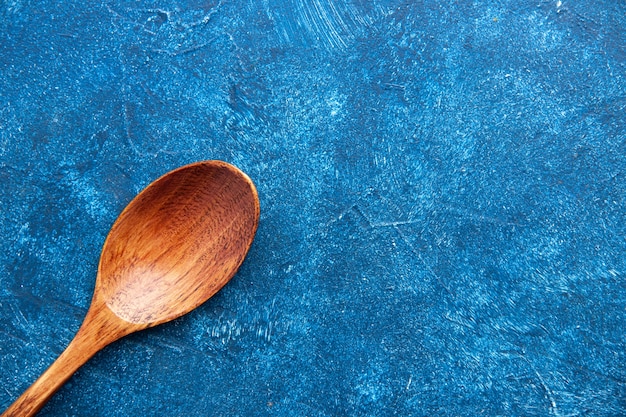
(442, 188)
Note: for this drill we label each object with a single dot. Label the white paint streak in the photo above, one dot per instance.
(328, 23)
(549, 394)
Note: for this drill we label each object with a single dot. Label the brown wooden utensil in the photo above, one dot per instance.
(172, 248)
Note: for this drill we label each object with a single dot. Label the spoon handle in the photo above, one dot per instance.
(90, 338)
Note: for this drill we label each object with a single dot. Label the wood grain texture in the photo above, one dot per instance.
(172, 248)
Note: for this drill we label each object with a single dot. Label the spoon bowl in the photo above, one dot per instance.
(173, 247)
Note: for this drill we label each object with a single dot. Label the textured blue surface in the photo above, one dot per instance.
(443, 192)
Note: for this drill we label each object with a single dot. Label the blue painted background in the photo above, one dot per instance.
(443, 192)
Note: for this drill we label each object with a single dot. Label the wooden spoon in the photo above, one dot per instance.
(173, 247)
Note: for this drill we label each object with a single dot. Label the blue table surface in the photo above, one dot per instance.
(442, 187)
